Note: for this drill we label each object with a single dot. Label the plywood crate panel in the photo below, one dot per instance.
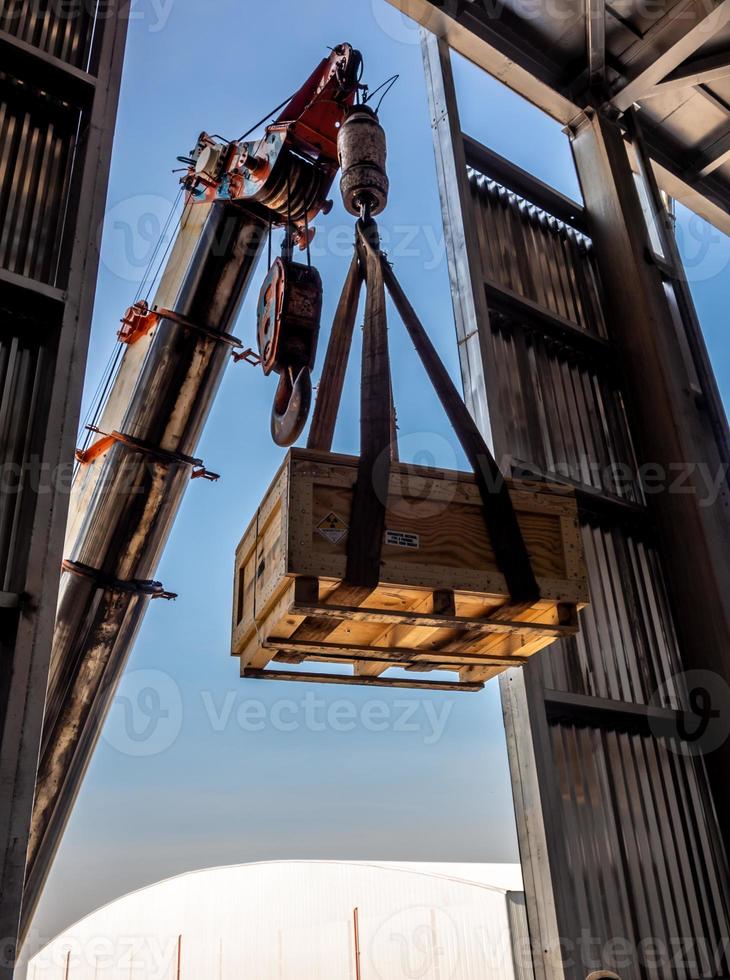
(442, 603)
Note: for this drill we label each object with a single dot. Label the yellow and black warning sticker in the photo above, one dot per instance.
(332, 527)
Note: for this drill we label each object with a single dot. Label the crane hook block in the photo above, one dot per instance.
(291, 406)
(289, 314)
(362, 152)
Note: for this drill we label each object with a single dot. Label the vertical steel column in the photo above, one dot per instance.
(470, 306)
(677, 435)
(618, 835)
(96, 86)
(701, 368)
(472, 326)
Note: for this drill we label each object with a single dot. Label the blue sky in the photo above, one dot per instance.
(241, 771)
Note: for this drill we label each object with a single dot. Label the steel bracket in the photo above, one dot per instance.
(141, 587)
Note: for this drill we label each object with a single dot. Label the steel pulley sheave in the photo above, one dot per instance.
(289, 314)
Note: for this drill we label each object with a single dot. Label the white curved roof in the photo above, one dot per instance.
(294, 920)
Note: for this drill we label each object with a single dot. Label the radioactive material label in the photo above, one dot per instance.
(332, 527)
(402, 539)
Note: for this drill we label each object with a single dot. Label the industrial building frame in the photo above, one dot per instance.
(586, 308)
(60, 74)
(592, 309)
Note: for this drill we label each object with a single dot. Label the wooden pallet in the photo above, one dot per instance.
(441, 604)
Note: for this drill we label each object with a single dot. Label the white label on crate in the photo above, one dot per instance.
(332, 527)
(402, 539)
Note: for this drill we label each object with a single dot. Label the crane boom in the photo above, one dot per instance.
(132, 478)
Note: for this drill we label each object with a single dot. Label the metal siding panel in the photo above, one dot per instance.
(26, 370)
(38, 135)
(630, 806)
(564, 411)
(626, 649)
(641, 839)
(61, 29)
(535, 255)
(53, 177)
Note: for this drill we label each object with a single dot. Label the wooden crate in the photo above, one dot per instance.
(441, 604)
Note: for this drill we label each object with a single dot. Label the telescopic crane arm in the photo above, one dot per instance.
(132, 477)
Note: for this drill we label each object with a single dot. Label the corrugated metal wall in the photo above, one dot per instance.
(641, 850)
(37, 137)
(60, 68)
(62, 29)
(539, 257)
(564, 411)
(38, 134)
(644, 859)
(26, 373)
(39, 131)
(626, 649)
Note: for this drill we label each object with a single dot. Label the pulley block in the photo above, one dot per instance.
(289, 313)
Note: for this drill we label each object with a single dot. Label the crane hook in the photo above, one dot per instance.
(290, 307)
(292, 402)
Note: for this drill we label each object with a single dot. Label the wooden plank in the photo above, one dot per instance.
(446, 522)
(336, 460)
(251, 652)
(416, 666)
(316, 627)
(380, 655)
(440, 603)
(261, 557)
(521, 643)
(388, 616)
(478, 675)
(397, 682)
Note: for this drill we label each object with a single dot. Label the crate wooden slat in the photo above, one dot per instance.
(442, 603)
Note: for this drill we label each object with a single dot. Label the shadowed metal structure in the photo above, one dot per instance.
(60, 69)
(672, 58)
(139, 458)
(583, 361)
